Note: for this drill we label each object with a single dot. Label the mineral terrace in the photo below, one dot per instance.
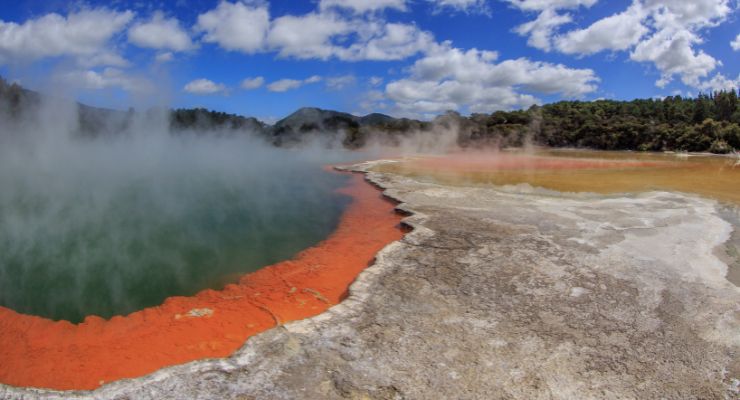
(500, 294)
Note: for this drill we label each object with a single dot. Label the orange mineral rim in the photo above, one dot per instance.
(38, 352)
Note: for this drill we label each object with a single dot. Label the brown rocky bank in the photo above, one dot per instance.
(502, 294)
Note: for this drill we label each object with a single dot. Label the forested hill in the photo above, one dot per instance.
(706, 123)
(709, 122)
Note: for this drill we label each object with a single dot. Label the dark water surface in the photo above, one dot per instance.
(108, 229)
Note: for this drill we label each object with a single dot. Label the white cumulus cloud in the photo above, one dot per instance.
(283, 85)
(307, 36)
(322, 34)
(541, 5)
(252, 83)
(720, 82)
(388, 41)
(473, 80)
(665, 33)
(540, 31)
(677, 27)
(363, 6)
(672, 53)
(204, 86)
(167, 56)
(236, 26)
(616, 32)
(735, 44)
(103, 58)
(468, 6)
(340, 82)
(85, 33)
(160, 33)
(659, 32)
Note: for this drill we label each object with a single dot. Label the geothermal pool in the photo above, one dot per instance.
(74, 259)
(582, 171)
(123, 255)
(89, 232)
(150, 226)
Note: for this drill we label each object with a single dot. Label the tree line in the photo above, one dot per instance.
(705, 123)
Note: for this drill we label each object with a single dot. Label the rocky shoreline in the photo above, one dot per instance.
(502, 295)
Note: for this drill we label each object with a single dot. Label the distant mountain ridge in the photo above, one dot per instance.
(709, 122)
(355, 129)
(313, 115)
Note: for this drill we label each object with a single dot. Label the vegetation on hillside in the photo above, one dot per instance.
(351, 131)
(15, 101)
(200, 119)
(706, 123)
(709, 122)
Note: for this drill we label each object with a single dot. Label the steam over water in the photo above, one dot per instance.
(111, 225)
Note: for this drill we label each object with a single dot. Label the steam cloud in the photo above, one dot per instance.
(112, 224)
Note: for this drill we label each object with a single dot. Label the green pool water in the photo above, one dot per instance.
(98, 232)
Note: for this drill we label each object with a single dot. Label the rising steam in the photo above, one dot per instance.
(112, 224)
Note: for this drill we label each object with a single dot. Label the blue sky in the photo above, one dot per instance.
(412, 58)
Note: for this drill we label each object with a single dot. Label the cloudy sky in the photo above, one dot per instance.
(401, 57)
